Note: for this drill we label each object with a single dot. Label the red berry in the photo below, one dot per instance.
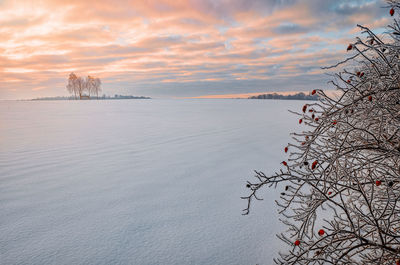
(303, 143)
(391, 12)
(314, 164)
(371, 41)
(316, 119)
(370, 98)
(358, 73)
(349, 47)
(300, 121)
(304, 108)
(329, 193)
(398, 262)
(378, 182)
(313, 116)
(334, 122)
(297, 242)
(321, 232)
(313, 92)
(310, 110)
(286, 149)
(362, 74)
(349, 81)
(284, 163)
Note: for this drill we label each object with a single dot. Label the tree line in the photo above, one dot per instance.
(83, 87)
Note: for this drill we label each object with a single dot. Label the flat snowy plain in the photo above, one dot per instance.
(139, 181)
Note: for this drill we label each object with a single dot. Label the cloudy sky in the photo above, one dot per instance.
(177, 48)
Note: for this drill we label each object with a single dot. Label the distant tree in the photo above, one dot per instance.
(95, 84)
(340, 197)
(79, 86)
(72, 84)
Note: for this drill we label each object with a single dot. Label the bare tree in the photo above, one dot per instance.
(93, 85)
(72, 84)
(340, 196)
(97, 86)
(80, 86)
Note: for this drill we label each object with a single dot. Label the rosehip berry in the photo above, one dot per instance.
(349, 47)
(314, 164)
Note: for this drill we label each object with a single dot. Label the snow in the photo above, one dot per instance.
(139, 181)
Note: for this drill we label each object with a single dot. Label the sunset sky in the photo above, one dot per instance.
(177, 48)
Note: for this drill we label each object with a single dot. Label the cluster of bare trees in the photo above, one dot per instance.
(83, 87)
(340, 184)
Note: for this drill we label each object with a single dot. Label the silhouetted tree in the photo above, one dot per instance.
(340, 184)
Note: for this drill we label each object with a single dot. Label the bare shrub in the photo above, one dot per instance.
(340, 184)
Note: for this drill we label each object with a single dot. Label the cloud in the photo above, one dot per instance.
(176, 48)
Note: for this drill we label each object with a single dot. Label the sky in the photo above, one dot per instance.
(177, 48)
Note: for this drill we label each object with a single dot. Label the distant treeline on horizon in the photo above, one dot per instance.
(298, 96)
(93, 98)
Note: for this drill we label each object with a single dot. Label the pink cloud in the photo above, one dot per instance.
(142, 43)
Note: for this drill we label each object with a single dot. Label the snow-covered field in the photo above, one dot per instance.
(139, 181)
